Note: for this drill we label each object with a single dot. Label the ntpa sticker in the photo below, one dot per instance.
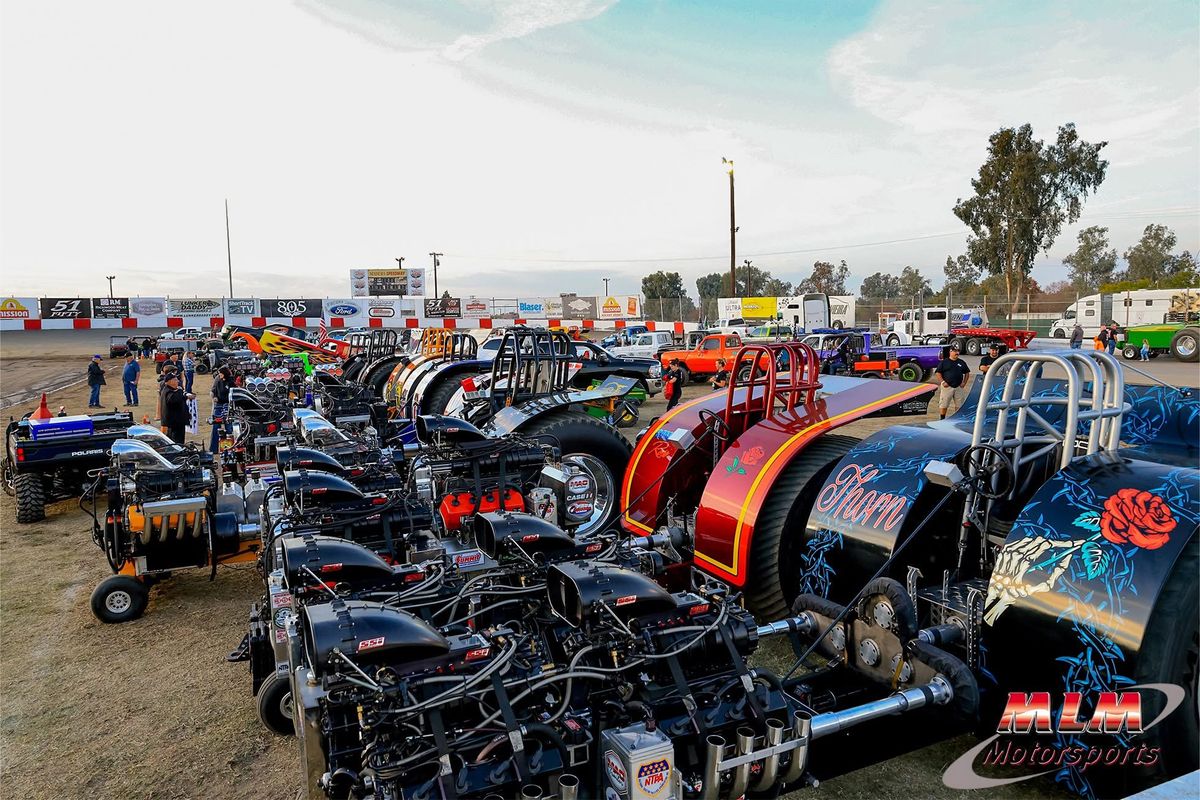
(652, 776)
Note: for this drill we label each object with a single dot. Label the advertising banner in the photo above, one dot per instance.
(381, 309)
(19, 308)
(477, 307)
(241, 307)
(147, 306)
(344, 308)
(110, 307)
(759, 307)
(729, 307)
(576, 307)
(416, 282)
(66, 307)
(554, 307)
(290, 307)
(443, 307)
(531, 307)
(195, 307)
(358, 283)
(620, 307)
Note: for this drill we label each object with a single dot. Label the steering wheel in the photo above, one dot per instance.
(716, 424)
(992, 469)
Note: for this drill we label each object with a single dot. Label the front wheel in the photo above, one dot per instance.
(1129, 352)
(119, 599)
(893, 340)
(274, 702)
(6, 477)
(837, 325)
(1059, 333)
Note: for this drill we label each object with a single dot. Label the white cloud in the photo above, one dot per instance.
(516, 18)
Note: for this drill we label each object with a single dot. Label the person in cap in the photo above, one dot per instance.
(953, 375)
(992, 354)
(130, 376)
(175, 414)
(95, 379)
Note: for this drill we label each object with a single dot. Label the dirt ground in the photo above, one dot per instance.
(150, 709)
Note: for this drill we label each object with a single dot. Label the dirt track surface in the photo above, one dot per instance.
(150, 709)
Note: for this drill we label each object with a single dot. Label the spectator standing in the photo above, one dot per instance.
(147, 347)
(129, 378)
(95, 379)
(993, 353)
(222, 380)
(673, 383)
(721, 379)
(1102, 337)
(175, 414)
(189, 371)
(132, 346)
(1145, 350)
(1077, 337)
(953, 374)
(1113, 331)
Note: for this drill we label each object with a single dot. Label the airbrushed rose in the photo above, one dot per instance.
(1132, 516)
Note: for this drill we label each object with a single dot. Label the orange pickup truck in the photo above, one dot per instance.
(702, 360)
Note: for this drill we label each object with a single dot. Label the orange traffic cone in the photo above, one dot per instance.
(43, 411)
(145, 419)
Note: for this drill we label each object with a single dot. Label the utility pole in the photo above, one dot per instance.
(228, 251)
(110, 278)
(749, 279)
(436, 256)
(606, 280)
(732, 232)
(399, 261)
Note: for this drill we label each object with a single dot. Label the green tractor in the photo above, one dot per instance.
(1182, 341)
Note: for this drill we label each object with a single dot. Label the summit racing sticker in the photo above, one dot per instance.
(615, 770)
(652, 776)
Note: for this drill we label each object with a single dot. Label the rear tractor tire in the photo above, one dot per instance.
(31, 497)
(1129, 353)
(274, 702)
(774, 560)
(119, 599)
(1185, 345)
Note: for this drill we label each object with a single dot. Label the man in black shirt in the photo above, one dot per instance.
(993, 354)
(175, 414)
(953, 375)
(721, 379)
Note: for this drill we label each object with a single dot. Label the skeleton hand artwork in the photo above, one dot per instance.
(1008, 583)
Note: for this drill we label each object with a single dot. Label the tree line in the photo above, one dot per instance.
(1025, 191)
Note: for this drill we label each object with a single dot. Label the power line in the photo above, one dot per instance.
(1174, 212)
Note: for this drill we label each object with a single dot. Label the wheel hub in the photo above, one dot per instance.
(118, 602)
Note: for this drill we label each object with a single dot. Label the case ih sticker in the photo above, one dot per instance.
(66, 307)
(653, 775)
(615, 770)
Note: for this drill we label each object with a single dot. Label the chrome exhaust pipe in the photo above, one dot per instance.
(741, 773)
(770, 765)
(714, 748)
(568, 787)
(802, 729)
(936, 692)
(531, 791)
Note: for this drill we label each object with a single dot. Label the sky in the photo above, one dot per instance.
(543, 145)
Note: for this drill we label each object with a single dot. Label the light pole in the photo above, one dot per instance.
(110, 278)
(749, 278)
(228, 251)
(606, 280)
(732, 231)
(436, 256)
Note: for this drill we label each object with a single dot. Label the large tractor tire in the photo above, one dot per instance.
(119, 599)
(1129, 353)
(31, 497)
(595, 446)
(437, 398)
(1185, 345)
(773, 580)
(274, 701)
(685, 377)
(1171, 654)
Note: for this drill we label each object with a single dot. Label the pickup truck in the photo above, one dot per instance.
(702, 359)
(47, 459)
(914, 363)
(626, 334)
(646, 345)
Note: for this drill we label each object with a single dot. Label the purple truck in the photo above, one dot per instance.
(916, 362)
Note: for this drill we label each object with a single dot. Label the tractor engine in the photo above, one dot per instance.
(612, 682)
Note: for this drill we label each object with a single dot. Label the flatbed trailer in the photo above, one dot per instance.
(974, 341)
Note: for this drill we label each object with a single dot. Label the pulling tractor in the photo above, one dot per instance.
(1034, 557)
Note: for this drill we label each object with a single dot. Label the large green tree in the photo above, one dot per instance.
(1026, 191)
(751, 282)
(879, 286)
(912, 284)
(1151, 259)
(962, 276)
(662, 284)
(826, 278)
(1093, 262)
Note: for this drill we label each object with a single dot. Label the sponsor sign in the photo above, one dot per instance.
(110, 307)
(576, 307)
(66, 307)
(729, 307)
(620, 307)
(147, 306)
(476, 307)
(443, 307)
(615, 770)
(652, 776)
(195, 307)
(358, 283)
(554, 307)
(759, 307)
(416, 281)
(344, 308)
(19, 308)
(384, 282)
(241, 307)
(381, 309)
(531, 307)
(290, 308)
